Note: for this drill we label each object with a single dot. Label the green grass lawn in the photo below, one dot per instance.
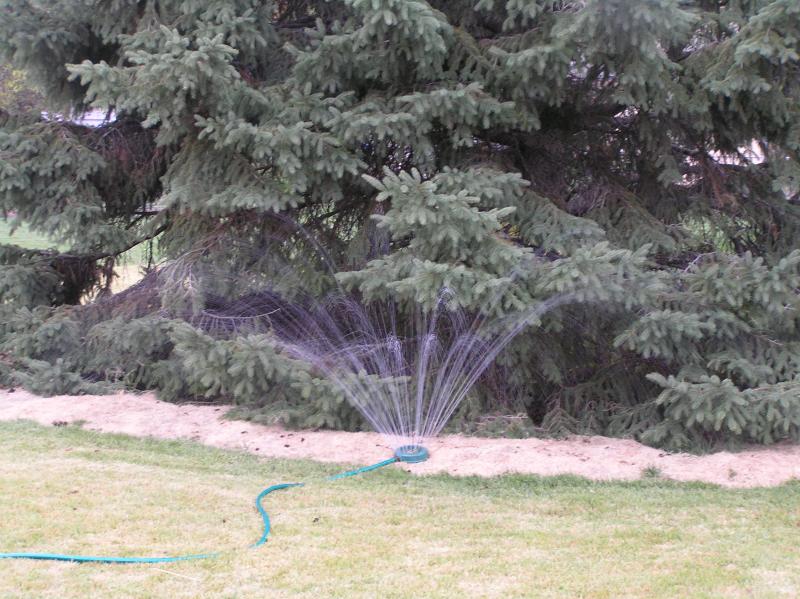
(26, 238)
(384, 534)
(23, 237)
(128, 266)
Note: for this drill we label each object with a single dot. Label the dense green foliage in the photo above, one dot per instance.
(641, 155)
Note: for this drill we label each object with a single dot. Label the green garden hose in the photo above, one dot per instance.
(268, 490)
(181, 558)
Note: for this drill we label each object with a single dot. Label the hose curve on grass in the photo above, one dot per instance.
(181, 558)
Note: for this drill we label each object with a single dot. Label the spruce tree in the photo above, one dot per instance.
(640, 155)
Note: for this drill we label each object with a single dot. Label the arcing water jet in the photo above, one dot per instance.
(406, 386)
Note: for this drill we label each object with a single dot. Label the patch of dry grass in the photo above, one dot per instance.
(385, 534)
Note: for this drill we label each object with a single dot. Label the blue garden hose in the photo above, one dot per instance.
(181, 558)
(60, 557)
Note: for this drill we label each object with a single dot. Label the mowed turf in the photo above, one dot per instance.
(128, 267)
(383, 534)
(23, 237)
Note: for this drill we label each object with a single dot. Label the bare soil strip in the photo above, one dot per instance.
(598, 458)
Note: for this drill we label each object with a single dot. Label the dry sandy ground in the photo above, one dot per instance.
(593, 457)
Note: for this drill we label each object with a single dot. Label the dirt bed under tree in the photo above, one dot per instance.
(595, 457)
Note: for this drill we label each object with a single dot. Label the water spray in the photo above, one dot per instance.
(407, 388)
(406, 384)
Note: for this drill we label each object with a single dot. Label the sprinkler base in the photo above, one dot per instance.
(412, 454)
